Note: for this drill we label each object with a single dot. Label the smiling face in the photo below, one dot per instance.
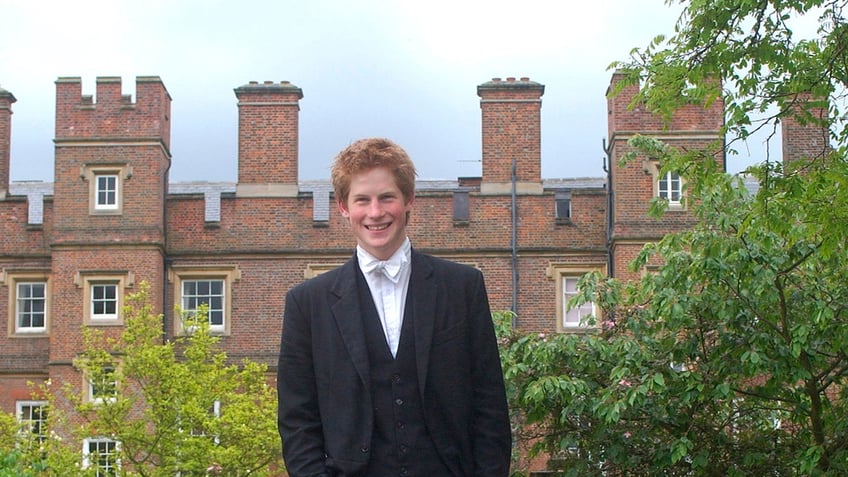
(377, 211)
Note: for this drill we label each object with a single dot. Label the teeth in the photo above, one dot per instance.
(377, 227)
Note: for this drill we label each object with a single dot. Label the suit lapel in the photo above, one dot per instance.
(347, 313)
(422, 292)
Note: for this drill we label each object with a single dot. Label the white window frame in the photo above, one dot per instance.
(574, 317)
(98, 296)
(115, 462)
(31, 299)
(13, 280)
(191, 301)
(106, 191)
(562, 274)
(227, 274)
(93, 173)
(666, 190)
(41, 422)
(89, 281)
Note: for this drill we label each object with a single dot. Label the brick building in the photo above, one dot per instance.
(72, 249)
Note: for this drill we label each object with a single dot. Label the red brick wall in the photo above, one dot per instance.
(805, 141)
(272, 240)
(143, 195)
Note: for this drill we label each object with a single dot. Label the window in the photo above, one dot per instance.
(566, 278)
(31, 308)
(574, 317)
(562, 202)
(669, 187)
(106, 183)
(102, 455)
(103, 295)
(461, 213)
(208, 292)
(106, 192)
(33, 413)
(104, 301)
(29, 302)
(199, 429)
(103, 385)
(196, 285)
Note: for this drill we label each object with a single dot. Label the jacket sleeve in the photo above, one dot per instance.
(491, 436)
(298, 416)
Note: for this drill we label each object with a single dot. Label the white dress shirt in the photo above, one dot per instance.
(388, 281)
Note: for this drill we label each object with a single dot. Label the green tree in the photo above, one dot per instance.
(731, 358)
(36, 451)
(176, 407)
(756, 50)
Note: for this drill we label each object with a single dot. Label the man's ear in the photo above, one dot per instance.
(343, 208)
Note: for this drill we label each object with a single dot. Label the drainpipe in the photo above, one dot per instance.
(166, 261)
(610, 212)
(514, 251)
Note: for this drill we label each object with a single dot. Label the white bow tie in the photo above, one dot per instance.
(390, 268)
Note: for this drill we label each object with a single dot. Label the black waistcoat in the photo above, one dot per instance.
(400, 445)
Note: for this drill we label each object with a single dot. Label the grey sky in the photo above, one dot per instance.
(399, 69)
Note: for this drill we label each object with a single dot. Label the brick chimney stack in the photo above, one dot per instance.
(6, 100)
(511, 112)
(268, 139)
(806, 138)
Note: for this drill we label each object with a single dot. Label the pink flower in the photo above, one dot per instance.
(214, 469)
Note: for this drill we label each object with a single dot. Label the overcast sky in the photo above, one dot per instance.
(400, 69)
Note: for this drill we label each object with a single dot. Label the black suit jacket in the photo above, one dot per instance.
(325, 413)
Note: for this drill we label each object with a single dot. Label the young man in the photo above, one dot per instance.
(389, 364)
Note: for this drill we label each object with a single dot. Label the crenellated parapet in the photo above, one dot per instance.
(111, 115)
(626, 117)
(805, 130)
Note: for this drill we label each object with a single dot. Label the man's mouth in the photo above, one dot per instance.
(377, 228)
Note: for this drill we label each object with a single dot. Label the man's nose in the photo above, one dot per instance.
(375, 209)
